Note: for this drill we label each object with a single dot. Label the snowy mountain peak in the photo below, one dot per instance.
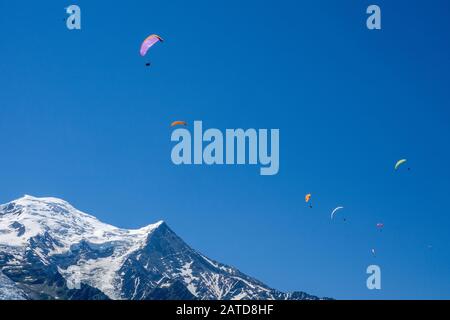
(33, 205)
(29, 201)
(52, 250)
(27, 217)
(29, 205)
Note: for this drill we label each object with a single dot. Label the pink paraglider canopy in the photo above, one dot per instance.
(149, 42)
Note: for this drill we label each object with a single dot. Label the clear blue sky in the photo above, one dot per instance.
(82, 118)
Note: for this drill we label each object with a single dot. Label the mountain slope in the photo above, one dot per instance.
(9, 290)
(50, 250)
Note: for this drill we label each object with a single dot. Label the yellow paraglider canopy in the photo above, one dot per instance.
(399, 163)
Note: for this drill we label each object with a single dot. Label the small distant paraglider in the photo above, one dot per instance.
(308, 198)
(380, 226)
(149, 42)
(399, 163)
(334, 211)
(178, 123)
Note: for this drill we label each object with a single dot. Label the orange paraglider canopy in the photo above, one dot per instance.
(307, 197)
(178, 123)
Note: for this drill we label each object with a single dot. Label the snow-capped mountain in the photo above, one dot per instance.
(50, 250)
